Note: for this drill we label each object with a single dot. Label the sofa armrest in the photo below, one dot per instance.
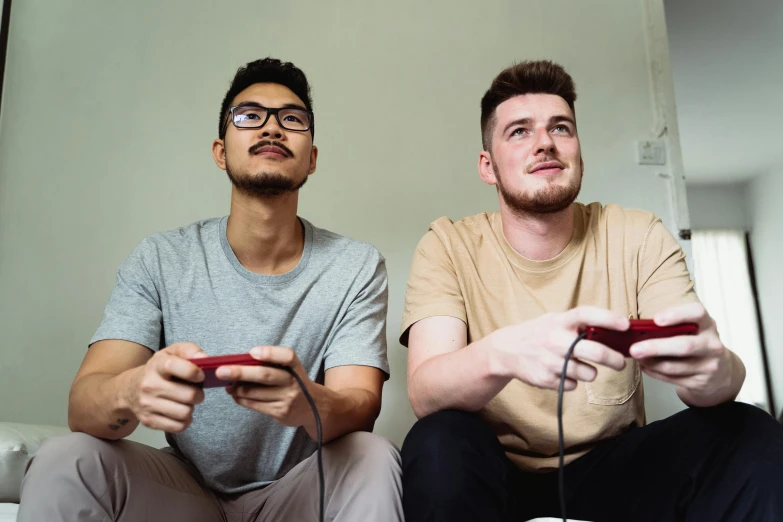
(18, 444)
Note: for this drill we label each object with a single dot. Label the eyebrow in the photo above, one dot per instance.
(558, 118)
(256, 104)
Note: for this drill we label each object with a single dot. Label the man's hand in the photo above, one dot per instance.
(705, 372)
(534, 351)
(156, 394)
(272, 391)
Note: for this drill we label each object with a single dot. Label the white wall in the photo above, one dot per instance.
(766, 215)
(719, 205)
(110, 109)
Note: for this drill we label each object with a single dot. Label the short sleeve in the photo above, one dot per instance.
(433, 288)
(133, 312)
(664, 280)
(359, 338)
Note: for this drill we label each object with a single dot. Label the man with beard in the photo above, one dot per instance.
(263, 281)
(494, 302)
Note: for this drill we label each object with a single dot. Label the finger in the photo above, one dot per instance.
(569, 385)
(171, 410)
(256, 374)
(597, 353)
(662, 377)
(685, 313)
(186, 350)
(276, 355)
(679, 346)
(583, 316)
(182, 393)
(272, 409)
(259, 393)
(175, 366)
(675, 367)
(159, 422)
(580, 371)
(576, 370)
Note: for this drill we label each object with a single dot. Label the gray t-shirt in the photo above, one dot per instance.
(186, 285)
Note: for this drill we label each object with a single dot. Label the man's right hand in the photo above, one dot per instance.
(158, 397)
(534, 351)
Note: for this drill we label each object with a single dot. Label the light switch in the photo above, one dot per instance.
(651, 152)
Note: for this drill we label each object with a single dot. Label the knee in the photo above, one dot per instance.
(67, 457)
(441, 447)
(447, 434)
(369, 458)
(65, 450)
(741, 421)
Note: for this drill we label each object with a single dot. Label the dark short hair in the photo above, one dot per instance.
(529, 77)
(267, 70)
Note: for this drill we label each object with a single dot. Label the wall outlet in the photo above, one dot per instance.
(651, 152)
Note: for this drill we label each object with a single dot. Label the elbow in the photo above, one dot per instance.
(419, 408)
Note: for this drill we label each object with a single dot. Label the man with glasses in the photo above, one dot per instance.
(261, 281)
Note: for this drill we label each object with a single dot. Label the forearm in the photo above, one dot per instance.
(98, 406)
(466, 379)
(342, 411)
(727, 392)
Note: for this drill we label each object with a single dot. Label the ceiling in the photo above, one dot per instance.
(727, 63)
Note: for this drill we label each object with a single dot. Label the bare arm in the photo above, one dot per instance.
(121, 383)
(98, 403)
(349, 401)
(445, 373)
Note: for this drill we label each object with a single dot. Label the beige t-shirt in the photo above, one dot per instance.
(620, 259)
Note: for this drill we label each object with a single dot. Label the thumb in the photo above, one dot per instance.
(186, 350)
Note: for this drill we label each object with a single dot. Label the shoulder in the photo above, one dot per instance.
(174, 246)
(342, 251)
(471, 230)
(613, 219)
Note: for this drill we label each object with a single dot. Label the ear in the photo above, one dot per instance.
(219, 153)
(486, 172)
(313, 159)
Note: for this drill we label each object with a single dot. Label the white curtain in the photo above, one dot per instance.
(722, 279)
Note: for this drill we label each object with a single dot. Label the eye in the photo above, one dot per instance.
(562, 128)
(519, 131)
(292, 118)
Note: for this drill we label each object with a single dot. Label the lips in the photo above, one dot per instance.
(271, 149)
(547, 165)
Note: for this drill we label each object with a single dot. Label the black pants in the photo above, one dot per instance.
(702, 464)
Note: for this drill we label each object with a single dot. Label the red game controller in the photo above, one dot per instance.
(211, 364)
(640, 330)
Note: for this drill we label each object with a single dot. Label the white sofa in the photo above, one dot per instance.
(18, 444)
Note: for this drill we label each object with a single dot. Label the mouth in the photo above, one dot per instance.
(547, 168)
(274, 152)
(270, 151)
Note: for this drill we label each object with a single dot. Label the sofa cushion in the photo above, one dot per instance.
(8, 512)
(18, 444)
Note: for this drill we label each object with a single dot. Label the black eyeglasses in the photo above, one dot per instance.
(256, 116)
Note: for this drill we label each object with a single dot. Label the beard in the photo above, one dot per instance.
(549, 200)
(264, 184)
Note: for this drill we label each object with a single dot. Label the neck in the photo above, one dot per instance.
(537, 237)
(264, 233)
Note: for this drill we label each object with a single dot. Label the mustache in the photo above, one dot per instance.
(545, 159)
(267, 143)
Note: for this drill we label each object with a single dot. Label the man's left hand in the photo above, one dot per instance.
(272, 391)
(705, 372)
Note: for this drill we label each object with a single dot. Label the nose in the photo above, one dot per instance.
(272, 128)
(544, 143)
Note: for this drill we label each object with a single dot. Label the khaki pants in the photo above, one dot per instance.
(77, 477)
